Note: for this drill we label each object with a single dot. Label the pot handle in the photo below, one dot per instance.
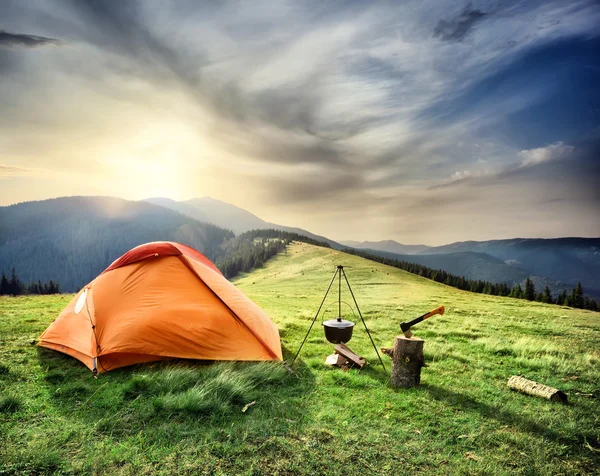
(335, 302)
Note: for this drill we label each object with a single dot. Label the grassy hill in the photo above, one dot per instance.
(178, 417)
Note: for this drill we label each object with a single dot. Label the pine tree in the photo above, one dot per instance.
(529, 292)
(4, 285)
(577, 296)
(547, 296)
(570, 299)
(517, 292)
(562, 298)
(539, 297)
(15, 285)
(51, 287)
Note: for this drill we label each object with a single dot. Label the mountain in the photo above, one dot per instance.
(228, 216)
(469, 264)
(482, 266)
(561, 259)
(181, 207)
(72, 239)
(390, 246)
(213, 211)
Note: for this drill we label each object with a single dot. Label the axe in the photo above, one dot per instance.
(405, 326)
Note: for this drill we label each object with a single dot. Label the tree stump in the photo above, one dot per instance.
(407, 361)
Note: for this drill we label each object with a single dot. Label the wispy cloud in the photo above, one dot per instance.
(19, 39)
(457, 28)
(557, 151)
(10, 171)
(526, 159)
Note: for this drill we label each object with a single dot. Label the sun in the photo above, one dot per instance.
(163, 159)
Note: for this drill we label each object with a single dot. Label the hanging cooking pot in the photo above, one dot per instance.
(338, 331)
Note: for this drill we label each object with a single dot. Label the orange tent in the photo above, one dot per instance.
(161, 300)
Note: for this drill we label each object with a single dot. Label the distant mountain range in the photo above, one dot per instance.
(567, 259)
(72, 239)
(557, 262)
(228, 216)
(390, 246)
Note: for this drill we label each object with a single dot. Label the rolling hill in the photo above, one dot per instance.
(72, 239)
(230, 217)
(187, 416)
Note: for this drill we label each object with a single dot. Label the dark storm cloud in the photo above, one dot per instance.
(458, 27)
(11, 40)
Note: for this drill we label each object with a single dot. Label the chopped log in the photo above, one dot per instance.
(336, 360)
(345, 352)
(530, 387)
(407, 361)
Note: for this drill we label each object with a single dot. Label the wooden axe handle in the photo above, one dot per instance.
(408, 325)
(438, 310)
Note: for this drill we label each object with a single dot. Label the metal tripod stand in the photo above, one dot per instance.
(339, 272)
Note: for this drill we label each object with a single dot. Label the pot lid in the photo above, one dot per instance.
(339, 324)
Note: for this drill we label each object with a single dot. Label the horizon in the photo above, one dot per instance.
(422, 123)
(338, 240)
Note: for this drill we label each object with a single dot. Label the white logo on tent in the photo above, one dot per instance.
(81, 301)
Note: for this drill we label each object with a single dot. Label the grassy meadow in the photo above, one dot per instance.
(189, 417)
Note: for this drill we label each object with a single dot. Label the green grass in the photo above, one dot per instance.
(177, 417)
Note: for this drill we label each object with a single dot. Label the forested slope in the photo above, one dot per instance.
(72, 239)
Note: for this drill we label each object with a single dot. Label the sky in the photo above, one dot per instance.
(423, 122)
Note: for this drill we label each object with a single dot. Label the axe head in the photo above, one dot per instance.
(405, 328)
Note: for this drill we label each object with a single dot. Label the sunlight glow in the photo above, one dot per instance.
(155, 162)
